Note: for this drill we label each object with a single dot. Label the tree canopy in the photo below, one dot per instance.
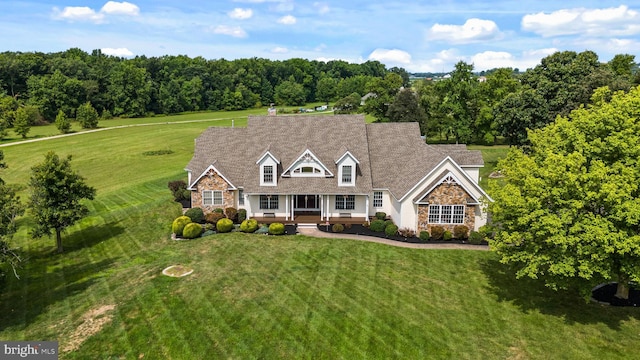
(568, 211)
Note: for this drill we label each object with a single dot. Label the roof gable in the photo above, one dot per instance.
(210, 171)
(307, 158)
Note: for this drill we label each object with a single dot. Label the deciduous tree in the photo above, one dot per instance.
(87, 116)
(405, 108)
(62, 122)
(57, 193)
(10, 208)
(568, 211)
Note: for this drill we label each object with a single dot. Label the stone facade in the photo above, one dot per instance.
(446, 194)
(212, 181)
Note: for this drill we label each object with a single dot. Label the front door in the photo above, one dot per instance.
(307, 204)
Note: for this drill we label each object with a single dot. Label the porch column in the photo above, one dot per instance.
(367, 208)
(286, 207)
(321, 207)
(293, 212)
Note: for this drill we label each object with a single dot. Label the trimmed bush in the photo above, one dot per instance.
(460, 232)
(407, 233)
(231, 213)
(249, 226)
(377, 225)
(487, 232)
(264, 229)
(179, 190)
(209, 226)
(424, 236)
(208, 233)
(224, 225)
(447, 235)
(475, 238)
(218, 210)
(179, 223)
(380, 215)
(337, 228)
(196, 215)
(388, 222)
(213, 218)
(192, 231)
(391, 230)
(276, 229)
(242, 215)
(437, 232)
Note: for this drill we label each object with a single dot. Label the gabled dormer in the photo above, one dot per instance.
(268, 164)
(347, 164)
(307, 165)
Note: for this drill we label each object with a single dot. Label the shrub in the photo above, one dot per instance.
(475, 238)
(208, 233)
(391, 230)
(231, 213)
(264, 229)
(437, 232)
(106, 115)
(377, 225)
(337, 228)
(242, 215)
(366, 224)
(249, 226)
(407, 233)
(179, 223)
(224, 225)
(460, 232)
(192, 231)
(447, 235)
(487, 232)
(212, 218)
(276, 229)
(347, 226)
(209, 226)
(380, 215)
(178, 189)
(424, 236)
(196, 214)
(218, 210)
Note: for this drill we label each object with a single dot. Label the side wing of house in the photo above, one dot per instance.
(212, 190)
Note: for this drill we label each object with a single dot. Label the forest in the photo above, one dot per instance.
(465, 107)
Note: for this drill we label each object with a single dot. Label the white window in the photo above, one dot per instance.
(240, 197)
(347, 177)
(212, 197)
(345, 202)
(446, 214)
(269, 202)
(267, 175)
(377, 199)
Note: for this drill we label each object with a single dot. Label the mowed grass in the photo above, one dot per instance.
(261, 297)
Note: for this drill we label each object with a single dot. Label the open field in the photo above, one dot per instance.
(253, 296)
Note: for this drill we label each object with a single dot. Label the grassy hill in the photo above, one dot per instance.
(253, 296)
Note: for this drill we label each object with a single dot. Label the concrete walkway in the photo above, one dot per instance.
(317, 233)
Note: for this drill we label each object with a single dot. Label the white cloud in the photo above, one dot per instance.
(393, 56)
(473, 30)
(77, 13)
(120, 8)
(234, 31)
(496, 59)
(287, 20)
(240, 14)
(606, 22)
(279, 50)
(322, 8)
(120, 52)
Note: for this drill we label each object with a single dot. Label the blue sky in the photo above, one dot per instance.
(420, 36)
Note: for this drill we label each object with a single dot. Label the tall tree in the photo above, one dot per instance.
(57, 193)
(519, 112)
(405, 108)
(10, 209)
(381, 93)
(290, 93)
(26, 116)
(568, 211)
(129, 89)
(62, 123)
(348, 105)
(87, 116)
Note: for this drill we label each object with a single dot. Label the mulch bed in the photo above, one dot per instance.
(605, 294)
(357, 229)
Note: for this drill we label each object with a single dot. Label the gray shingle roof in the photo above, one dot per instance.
(391, 155)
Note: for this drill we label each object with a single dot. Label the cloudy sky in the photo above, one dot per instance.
(420, 36)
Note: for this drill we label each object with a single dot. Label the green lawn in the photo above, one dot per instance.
(261, 297)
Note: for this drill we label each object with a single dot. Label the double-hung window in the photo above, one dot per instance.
(446, 214)
(269, 202)
(377, 199)
(345, 202)
(347, 177)
(267, 175)
(212, 197)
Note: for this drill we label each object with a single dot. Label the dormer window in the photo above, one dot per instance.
(347, 164)
(268, 170)
(347, 176)
(267, 174)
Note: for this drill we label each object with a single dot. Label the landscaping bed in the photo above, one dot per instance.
(357, 229)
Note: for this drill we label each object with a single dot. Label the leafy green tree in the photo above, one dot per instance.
(383, 92)
(326, 89)
(62, 123)
(56, 199)
(519, 112)
(10, 209)
(87, 116)
(8, 107)
(290, 93)
(26, 116)
(568, 211)
(405, 108)
(129, 89)
(348, 105)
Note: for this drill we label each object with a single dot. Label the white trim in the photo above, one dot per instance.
(456, 181)
(347, 153)
(288, 171)
(204, 173)
(268, 153)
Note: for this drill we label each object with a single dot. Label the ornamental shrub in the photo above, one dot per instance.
(475, 238)
(212, 218)
(437, 232)
(192, 231)
(424, 236)
(391, 230)
(179, 223)
(447, 235)
(224, 225)
(231, 213)
(276, 229)
(249, 226)
(460, 232)
(377, 225)
(242, 215)
(487, 232)
(337, 228)
(178, 190)
(264, 229)
(407, 233)
(196, 215)
(388, 222)
(209, 226)
(208, 233)
(218, 210)
(381, 215)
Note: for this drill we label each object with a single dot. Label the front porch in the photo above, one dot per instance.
(310, 219)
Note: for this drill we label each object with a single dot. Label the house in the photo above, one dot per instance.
(336, 169)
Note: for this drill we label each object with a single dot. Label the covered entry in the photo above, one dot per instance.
(306, 205)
